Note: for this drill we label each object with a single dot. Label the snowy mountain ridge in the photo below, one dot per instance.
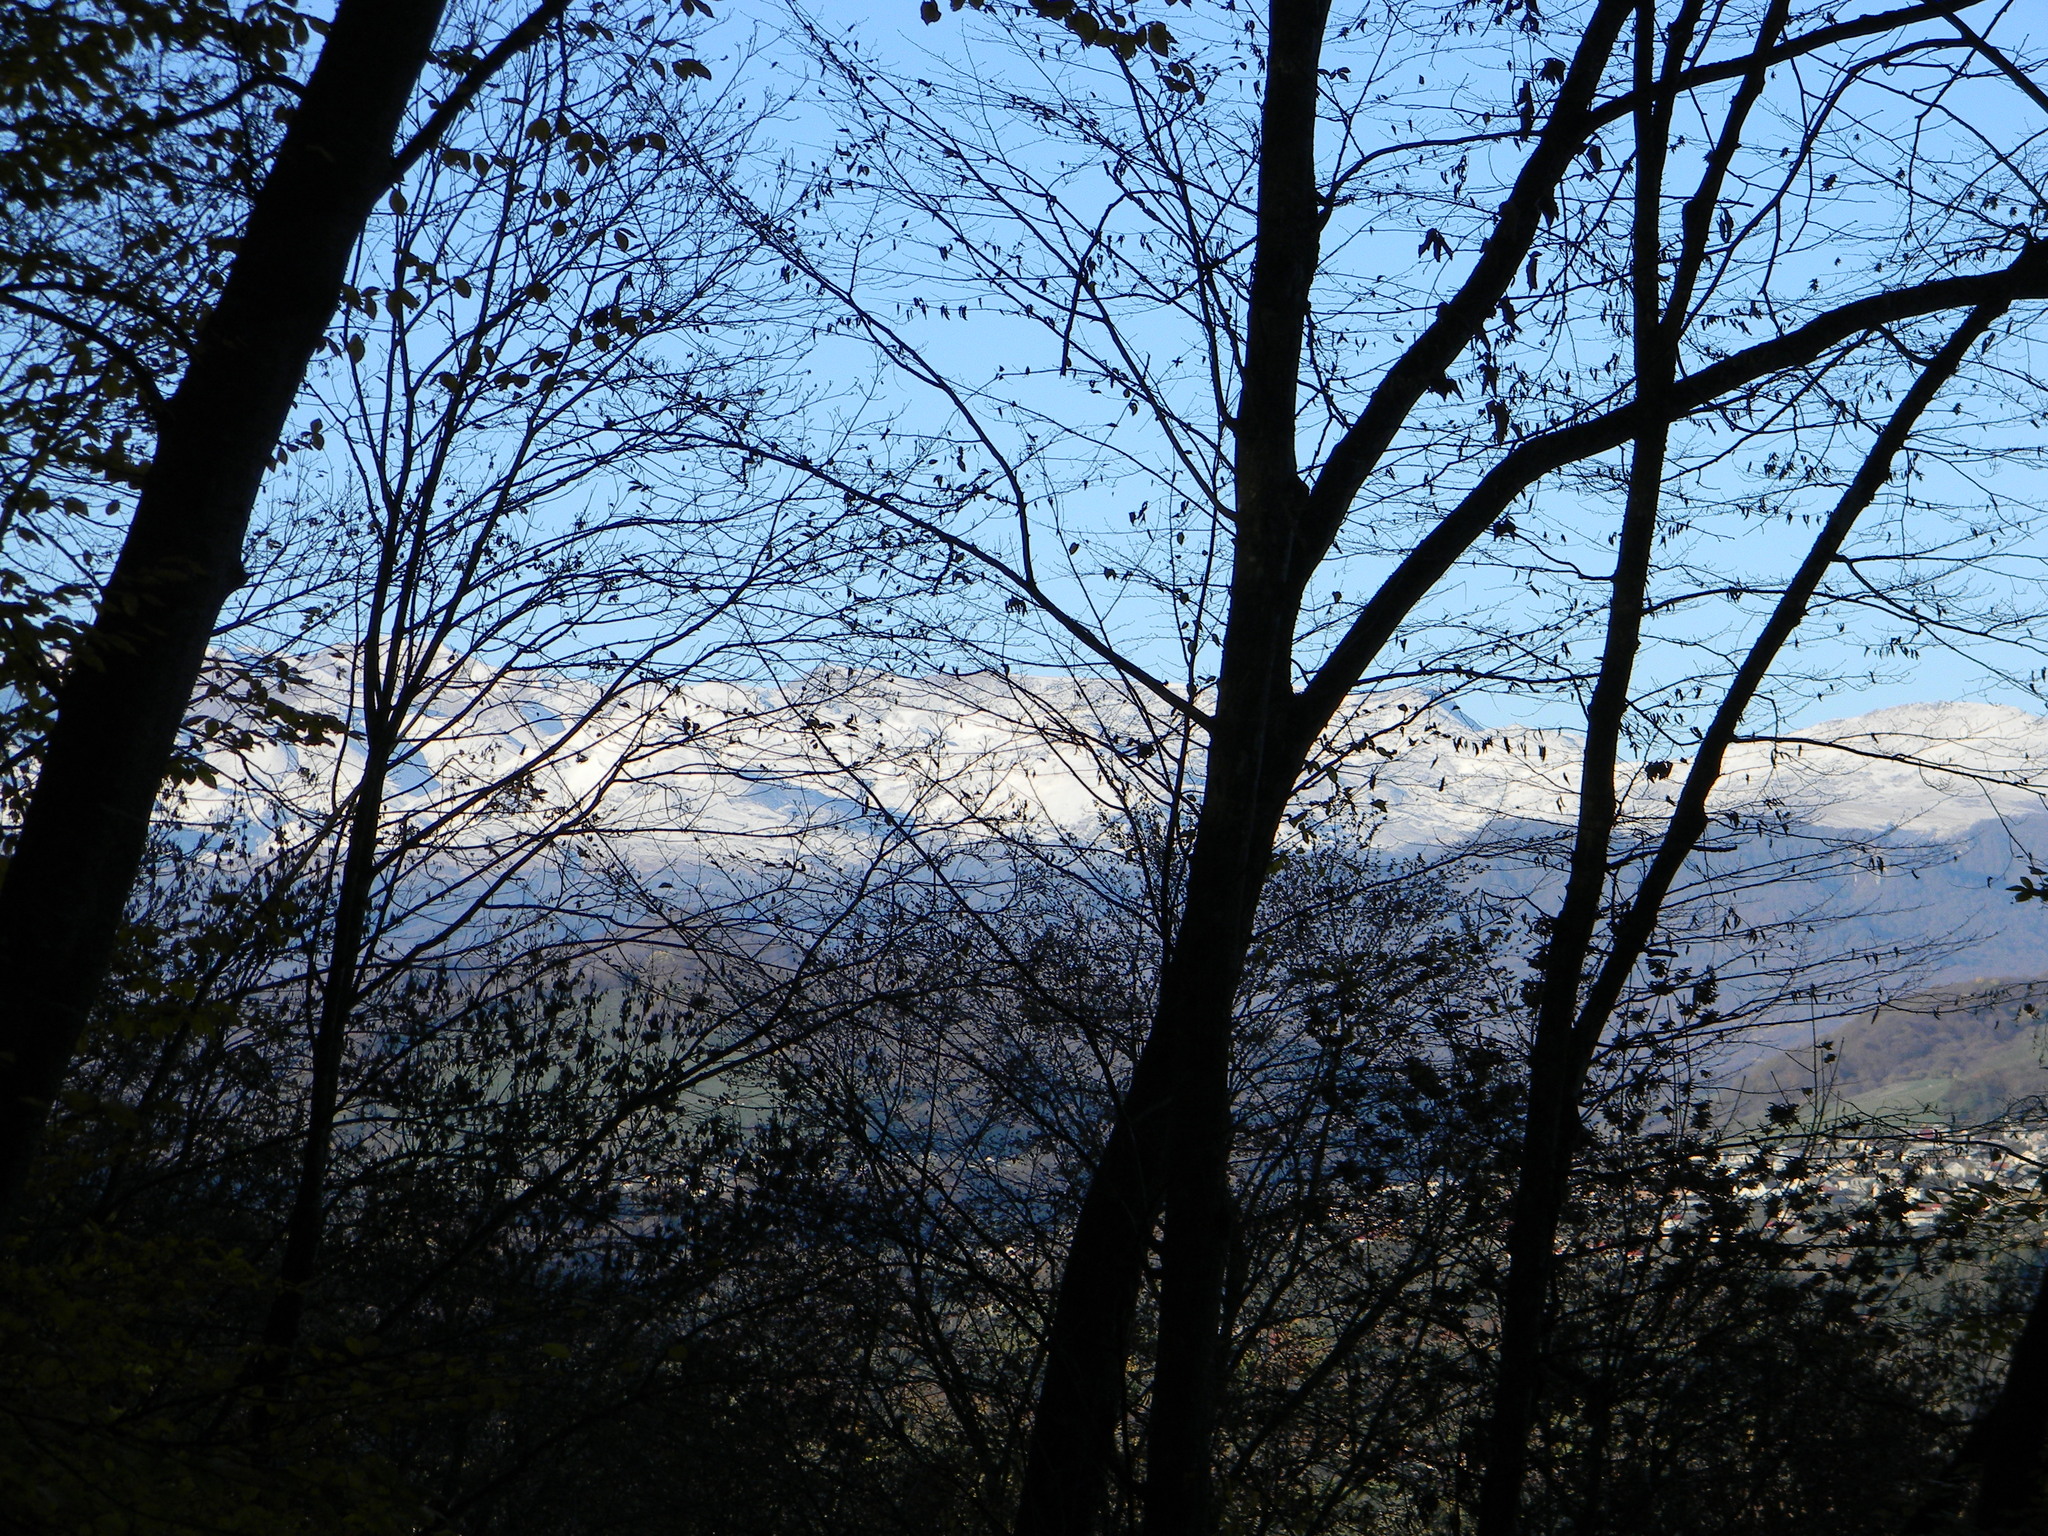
(663, 781)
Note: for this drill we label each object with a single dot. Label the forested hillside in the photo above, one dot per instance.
(1967, 1055)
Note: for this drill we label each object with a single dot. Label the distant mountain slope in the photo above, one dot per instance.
(1960, 1053)
(1901, 828)
(1897, 829)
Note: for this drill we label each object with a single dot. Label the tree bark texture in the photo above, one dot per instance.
(121, 706)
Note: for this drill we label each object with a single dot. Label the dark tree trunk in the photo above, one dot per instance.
(1198, 993)
(306, 1227)
(1551, 1125)
(2008, 1448)
(1081, 1396)
(1170, 1141)
(122, 705)
(1564, 1055)
(1252, 765)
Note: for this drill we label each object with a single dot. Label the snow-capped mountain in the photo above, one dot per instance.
(1898, 829)
(1911, 820)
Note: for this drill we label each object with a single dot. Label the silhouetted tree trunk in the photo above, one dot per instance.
(2004, 1457)
(1571, 1022)
(1554, 1071)
(307, 1225)
(1250, 777)
(1171, 1142)
(122, 705)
